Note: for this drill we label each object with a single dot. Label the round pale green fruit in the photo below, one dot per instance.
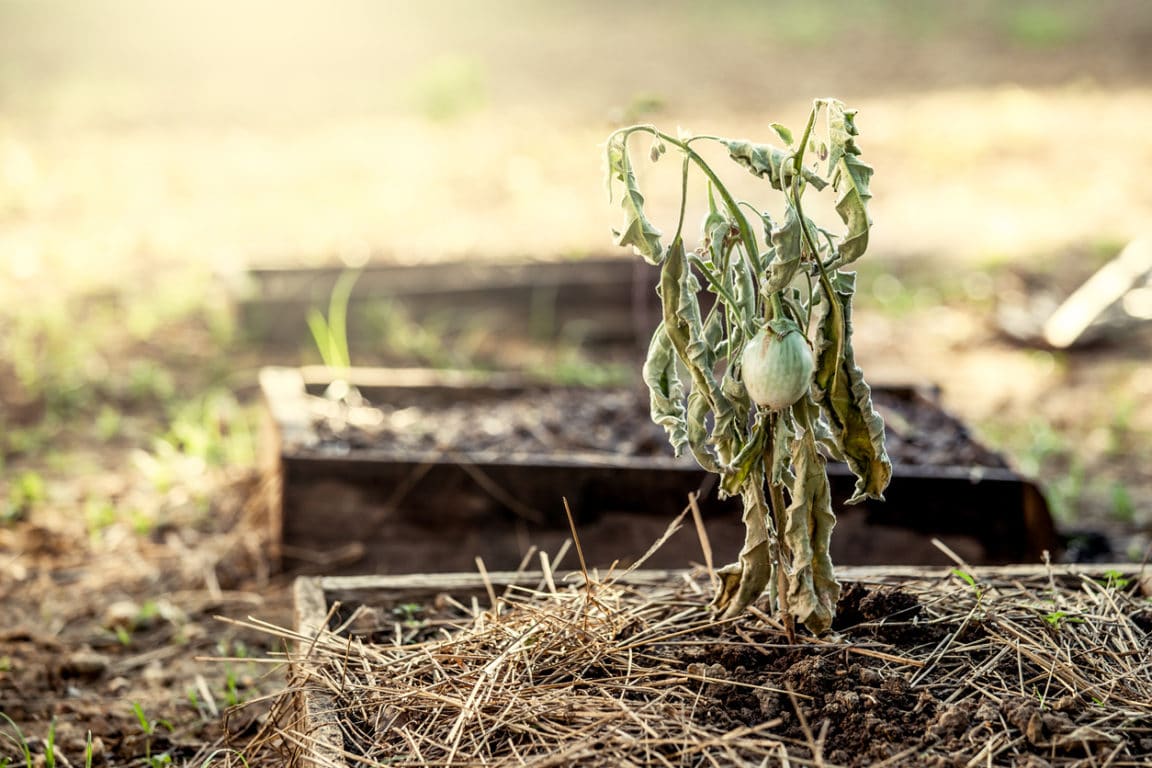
(777, 365)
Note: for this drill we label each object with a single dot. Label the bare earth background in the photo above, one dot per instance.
(150, 152)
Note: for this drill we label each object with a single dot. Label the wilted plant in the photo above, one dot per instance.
(772, 384)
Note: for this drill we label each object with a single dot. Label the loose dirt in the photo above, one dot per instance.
(609, 421)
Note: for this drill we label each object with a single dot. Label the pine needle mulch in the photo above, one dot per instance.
(985, 667)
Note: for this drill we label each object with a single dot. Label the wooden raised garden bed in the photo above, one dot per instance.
(450, 467)
(604, 303)
(1002, 666)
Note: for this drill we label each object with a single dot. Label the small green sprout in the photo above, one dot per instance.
(1114, 579)
(19, 740)
(331, 333)
(965, 577)
(231, 691)
(150, 729)
(1057, 619)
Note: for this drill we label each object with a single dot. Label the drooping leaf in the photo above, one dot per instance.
(771, 163)
(666, 391)
(788, 250)
(715, 229)
(812, 587)
(781, 458)
(765, 257)
(741, 586)
(698, 439)
(850, 178)
(748, 458)
(784, 134)
(695, 345)
(809, 413)
(746, 297)
(730, 429)
(637, 231)
(844, 397)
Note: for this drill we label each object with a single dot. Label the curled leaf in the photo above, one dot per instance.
(781, 457)
(771, 163)
(850, 177)
(748, 458)
(844, 397)
(812, 587)
(743, 584)
(637, 231)
(698, 441)
(666, 391)
(696, 345)
(788, 250)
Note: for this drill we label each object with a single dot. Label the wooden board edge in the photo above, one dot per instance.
(317, 722)
(431, 583)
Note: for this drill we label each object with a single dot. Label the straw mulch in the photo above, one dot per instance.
(1053, 669)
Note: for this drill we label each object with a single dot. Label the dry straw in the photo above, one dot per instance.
(1003, 667)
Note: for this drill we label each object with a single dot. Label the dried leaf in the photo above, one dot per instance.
(637, 231)
(696, 347)
(812, 587)
(844, 397)
(788, 250)
(698, 439)
(781, 456)
(771, 163)
(850, 178)
(666, 391)
(742, 586)
(784, 134)
(748, 458)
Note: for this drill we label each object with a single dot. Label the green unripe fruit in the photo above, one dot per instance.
(777, 365)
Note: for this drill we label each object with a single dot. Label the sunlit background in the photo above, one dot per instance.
(151, 152)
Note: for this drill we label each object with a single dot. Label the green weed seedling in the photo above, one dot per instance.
(51, 757)
(26, 492)
(1114, 579)
(772, 386)
(232, 696)
(151, 728)
(330, 333)
(18, 741)
(50, 745)
(1057, 619)
(236, 650)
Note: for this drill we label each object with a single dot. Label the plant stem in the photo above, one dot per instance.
(825, 282)
(776, 508)
(797, 189)
(777, 305)
(776, 496)
(746, 235)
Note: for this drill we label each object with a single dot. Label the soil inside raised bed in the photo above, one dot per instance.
(581, 420)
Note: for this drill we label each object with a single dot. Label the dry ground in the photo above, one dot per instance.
(150, 152)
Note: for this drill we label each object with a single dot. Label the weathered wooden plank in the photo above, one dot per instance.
(599, 301)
